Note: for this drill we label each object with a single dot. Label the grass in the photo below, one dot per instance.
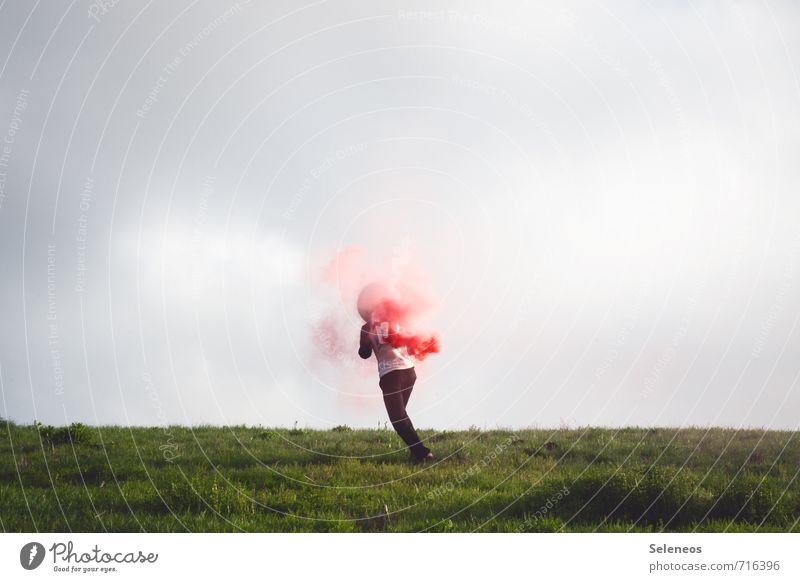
(177, 479)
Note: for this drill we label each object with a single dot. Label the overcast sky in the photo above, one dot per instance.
(605, 200)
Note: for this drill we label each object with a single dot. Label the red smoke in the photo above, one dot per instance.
(420, 345)
(407, 301)
(347, 273)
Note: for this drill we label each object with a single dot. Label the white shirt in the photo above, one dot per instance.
(389, 357)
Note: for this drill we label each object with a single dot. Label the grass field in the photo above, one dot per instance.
(177, 479)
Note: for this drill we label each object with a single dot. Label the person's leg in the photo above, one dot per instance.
(396, 387)
(406, 391)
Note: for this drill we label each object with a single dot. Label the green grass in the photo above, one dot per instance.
(176, 479)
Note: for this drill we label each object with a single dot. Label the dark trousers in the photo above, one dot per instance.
(396, 387)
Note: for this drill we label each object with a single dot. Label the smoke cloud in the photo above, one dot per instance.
(400, 293)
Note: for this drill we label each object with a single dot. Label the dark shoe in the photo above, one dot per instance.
(428, 458)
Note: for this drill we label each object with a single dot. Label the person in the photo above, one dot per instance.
(396, 380)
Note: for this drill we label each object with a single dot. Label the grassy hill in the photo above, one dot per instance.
(177, 479)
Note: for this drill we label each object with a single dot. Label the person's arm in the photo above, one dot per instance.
(365, 346)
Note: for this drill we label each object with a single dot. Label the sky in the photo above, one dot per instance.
(602, 199)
